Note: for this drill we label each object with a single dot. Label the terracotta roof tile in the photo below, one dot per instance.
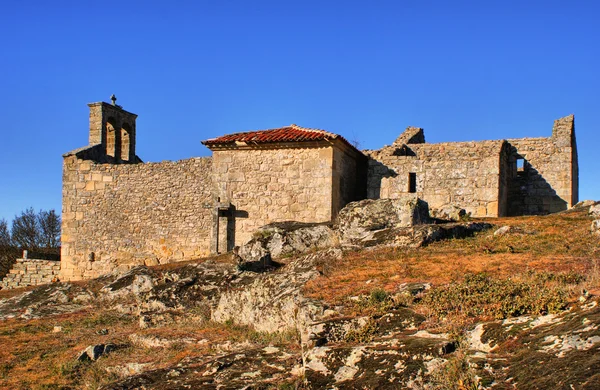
(292, 133)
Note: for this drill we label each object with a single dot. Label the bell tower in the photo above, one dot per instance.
(113, 128)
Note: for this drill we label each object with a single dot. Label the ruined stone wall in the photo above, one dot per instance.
(31, 272)
(544, 184)
(548, 181)
(349, 177)
(121, 215)
(267, 185)
(466, 174)
(505, 178)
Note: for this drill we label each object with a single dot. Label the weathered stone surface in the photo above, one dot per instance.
(595, 210)
(249, 368)
(395, 222)
(274, 302)
(595, 228)
(585, 203)
(284, 239)
(549, 351)
(362, 220)
(94, 352)
(123, 215)
(448, 213)
(52, 299)
(481, 177)
(31, 272)
(504, 230)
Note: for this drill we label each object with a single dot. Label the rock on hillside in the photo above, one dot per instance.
(375, 339)
(360, 220)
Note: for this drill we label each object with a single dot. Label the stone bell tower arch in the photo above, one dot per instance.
(113, 128)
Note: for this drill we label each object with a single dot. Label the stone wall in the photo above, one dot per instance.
(349, 177)
(122, 215)
(548, 181)
(465, 174)
(31, 272)
(290, 183)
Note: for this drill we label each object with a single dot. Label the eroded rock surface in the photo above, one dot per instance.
(282, 240)
(51, 299)
(360, 220)
(595, 210)
(448, 213)
(274, 302)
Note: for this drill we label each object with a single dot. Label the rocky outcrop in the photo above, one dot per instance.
(44, 301)
(414, 237)
(584, 203)
(94, 352)
(546, 352)
(249, 368)
(282, 240)
(361, 221)
(274, 302)
(595, 228)
(508, 230)
(595, 211)
(448, 213)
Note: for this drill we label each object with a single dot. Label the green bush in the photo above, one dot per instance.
(480, 295)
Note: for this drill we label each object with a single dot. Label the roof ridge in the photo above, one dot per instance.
(295, 126)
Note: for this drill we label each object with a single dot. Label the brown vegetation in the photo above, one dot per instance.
(555, 243)
(552, 257)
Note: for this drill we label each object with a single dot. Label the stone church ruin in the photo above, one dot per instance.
(119, 212)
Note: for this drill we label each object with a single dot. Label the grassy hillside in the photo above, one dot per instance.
(543, 265)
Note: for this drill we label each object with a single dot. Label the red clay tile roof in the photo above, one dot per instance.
(292, 133)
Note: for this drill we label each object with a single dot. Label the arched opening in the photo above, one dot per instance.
(125, 142)
(111, 138)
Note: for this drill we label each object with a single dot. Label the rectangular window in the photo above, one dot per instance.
(412, 182)
(520, 165)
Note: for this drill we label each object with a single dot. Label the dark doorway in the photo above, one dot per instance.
(412, 182)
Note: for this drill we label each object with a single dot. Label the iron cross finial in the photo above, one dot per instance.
(113, 98)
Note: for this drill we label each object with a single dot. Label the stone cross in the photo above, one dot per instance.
(113, 98)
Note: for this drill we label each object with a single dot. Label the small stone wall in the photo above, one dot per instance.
(31, 272)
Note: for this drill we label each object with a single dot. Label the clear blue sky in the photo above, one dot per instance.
(193, 70)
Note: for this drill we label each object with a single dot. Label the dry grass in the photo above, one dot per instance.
(557, 243)
(34, 357)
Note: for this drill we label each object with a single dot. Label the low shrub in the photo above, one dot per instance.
(479, 295)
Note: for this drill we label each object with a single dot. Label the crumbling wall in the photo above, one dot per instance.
(31, 272)
(122, 215)
(465, 174)
(267, 185)
(548, 179)
(349, 171)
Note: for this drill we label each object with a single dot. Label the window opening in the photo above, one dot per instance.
(412, 182)
(520, 164)
(125, 142)
(110, 139)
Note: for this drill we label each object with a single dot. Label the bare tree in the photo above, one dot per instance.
(35, 231)
(5, 239)
(25, 230)
(49, 224)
